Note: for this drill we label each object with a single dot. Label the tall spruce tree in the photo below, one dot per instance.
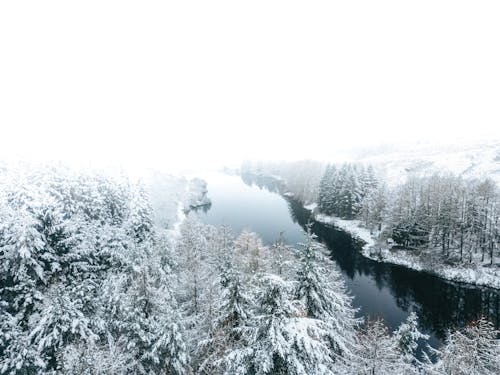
(279, 339)
(321, 289)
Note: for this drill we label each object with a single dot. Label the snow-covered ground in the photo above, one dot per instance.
(469, 158)
(373, 249)
(311, 206)
(350, 226)
(172, 196)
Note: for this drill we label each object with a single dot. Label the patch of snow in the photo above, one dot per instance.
(473, 274)
(311, 206)
(350, 226)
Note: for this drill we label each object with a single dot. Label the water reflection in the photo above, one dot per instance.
(264, 182)
(201, 208)
(440, 305)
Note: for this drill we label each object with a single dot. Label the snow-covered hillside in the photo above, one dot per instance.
(467, 158)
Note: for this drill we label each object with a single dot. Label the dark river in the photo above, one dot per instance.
(379, 290)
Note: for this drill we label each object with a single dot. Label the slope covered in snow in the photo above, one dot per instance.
(467, 158)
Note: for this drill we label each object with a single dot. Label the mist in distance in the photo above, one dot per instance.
(173, 86)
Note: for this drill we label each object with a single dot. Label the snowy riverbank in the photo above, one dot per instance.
(172, 197)
(380, 252)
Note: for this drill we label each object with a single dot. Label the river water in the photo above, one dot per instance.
(379, 290)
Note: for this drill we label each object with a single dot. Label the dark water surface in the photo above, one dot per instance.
(379, 290)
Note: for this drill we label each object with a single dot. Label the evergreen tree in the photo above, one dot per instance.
(93, 358)
(325, 190)
(140, 221)
(279, 339)
(321, 289)
(142, 315)
(61, 321)
(407, 337)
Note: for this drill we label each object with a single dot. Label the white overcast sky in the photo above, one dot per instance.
(173, 82)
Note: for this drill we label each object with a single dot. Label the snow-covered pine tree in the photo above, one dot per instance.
(325, 188)
(142, 315)
(279, 338)
(407, 336)
(321, 289)
(108, 358)
(140, 221)
(17, 353)
(61, 320)
(345, 194)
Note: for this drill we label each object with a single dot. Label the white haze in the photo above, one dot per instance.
(180, 83)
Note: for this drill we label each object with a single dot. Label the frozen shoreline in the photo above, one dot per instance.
(372, 249)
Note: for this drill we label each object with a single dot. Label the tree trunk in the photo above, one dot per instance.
(461, 244)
